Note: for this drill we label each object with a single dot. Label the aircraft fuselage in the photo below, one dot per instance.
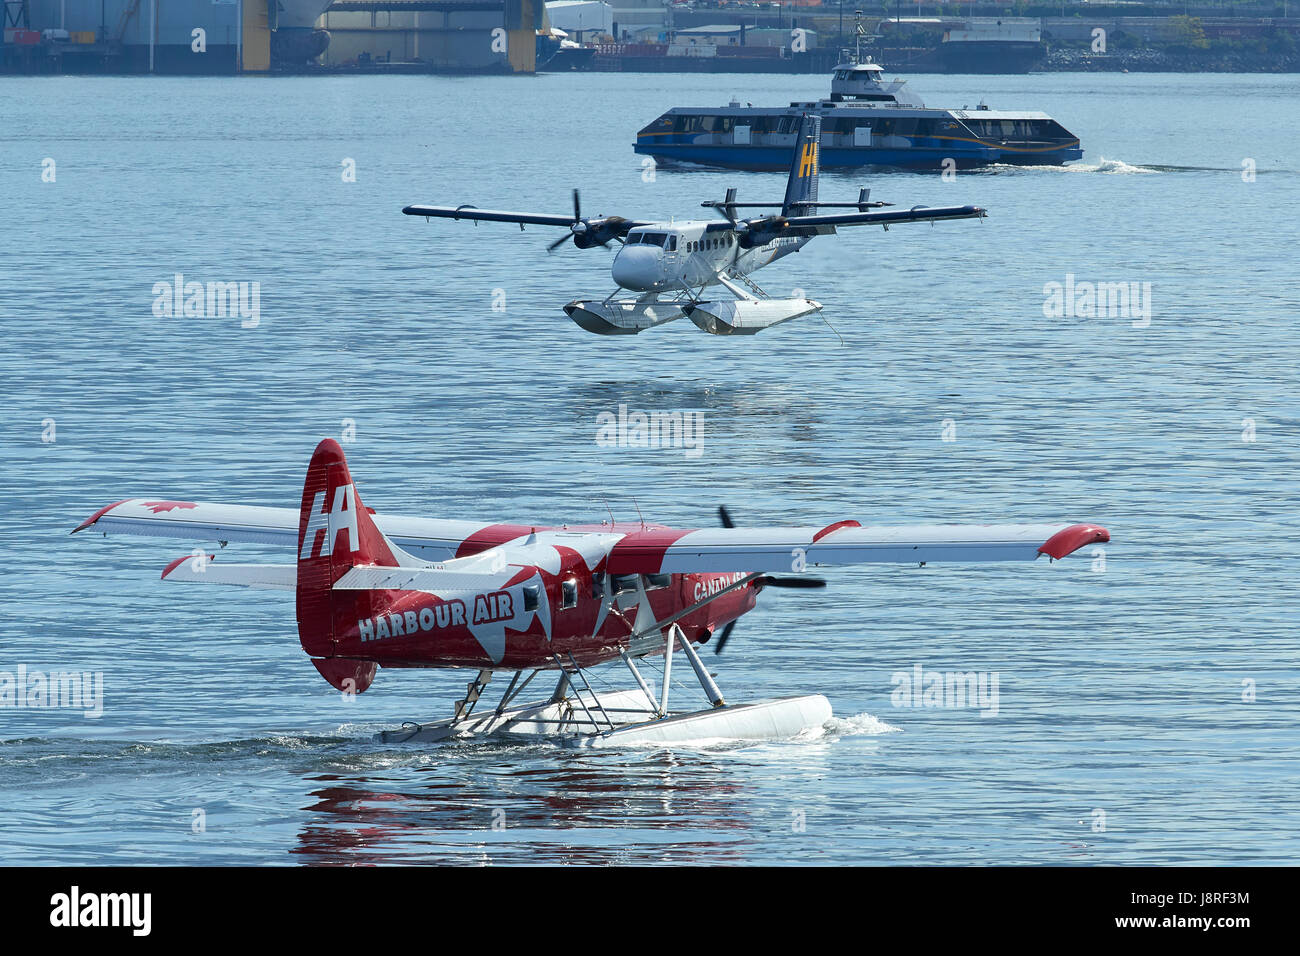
(667, 256)
(531, 615)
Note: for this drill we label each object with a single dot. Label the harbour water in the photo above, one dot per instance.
(1147, 697)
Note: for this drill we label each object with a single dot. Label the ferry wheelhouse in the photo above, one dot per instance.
(865, 122)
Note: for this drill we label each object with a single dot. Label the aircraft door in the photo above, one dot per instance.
(671, 257)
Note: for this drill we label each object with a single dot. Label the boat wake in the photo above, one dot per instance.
(1112, 167)
(859, 725)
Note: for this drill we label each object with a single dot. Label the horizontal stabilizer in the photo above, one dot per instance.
(194, 569)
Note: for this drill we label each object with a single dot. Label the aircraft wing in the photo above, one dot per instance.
(498, 215)
(431, 538)
(718, 550)
(916, 214)
(489, 215)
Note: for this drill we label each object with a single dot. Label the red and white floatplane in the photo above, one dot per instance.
(526, 600)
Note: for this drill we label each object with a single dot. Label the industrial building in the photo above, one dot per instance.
(224, 37)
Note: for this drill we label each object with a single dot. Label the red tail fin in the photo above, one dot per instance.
(335, 534)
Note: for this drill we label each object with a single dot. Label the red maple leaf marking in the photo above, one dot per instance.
(159, 506)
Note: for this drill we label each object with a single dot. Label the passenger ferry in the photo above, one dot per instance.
(866, 122)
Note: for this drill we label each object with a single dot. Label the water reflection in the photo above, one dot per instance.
(666, 806)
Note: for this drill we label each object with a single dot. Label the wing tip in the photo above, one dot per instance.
(1071, 539)
(97, 515)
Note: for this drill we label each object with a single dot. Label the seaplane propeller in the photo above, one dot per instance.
(586, 233)
(765, 581)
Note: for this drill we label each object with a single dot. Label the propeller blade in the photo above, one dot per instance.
(725, 517)
(556, 244)
(773, 581)
(722, 638)
(577, 206)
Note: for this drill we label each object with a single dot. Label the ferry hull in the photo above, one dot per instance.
(761, 158)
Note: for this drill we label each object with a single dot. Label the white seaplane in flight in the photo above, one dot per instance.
(671, 265)
(377, 590)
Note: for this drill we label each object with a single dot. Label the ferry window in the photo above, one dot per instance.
(532, 596)
(568, 594)
(785, 124)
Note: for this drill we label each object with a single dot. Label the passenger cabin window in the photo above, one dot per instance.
(624, 582)
(532, 597)
(654, 581)
(569, 594)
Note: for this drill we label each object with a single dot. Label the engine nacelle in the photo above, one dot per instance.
(748, 316)
(621, 316)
